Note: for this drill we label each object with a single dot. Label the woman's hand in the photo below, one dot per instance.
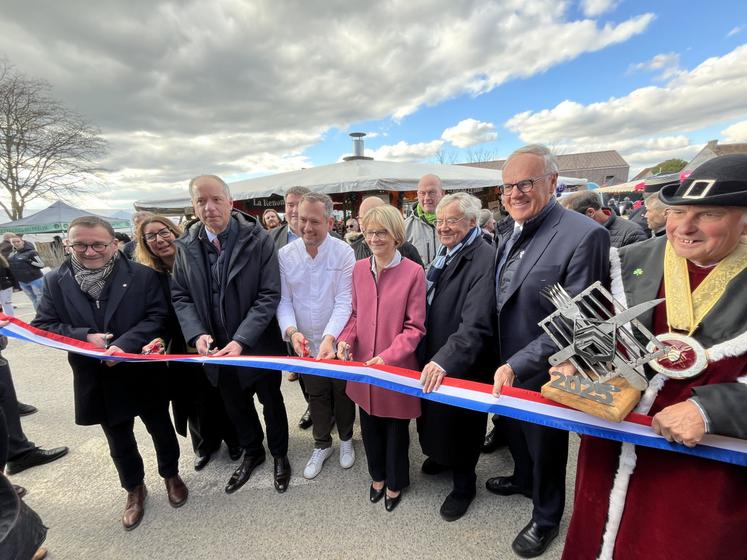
(375, 361)
(343, 351)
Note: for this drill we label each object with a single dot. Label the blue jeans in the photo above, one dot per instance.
(33, 289)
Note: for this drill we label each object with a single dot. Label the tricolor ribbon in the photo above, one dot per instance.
(513, 402)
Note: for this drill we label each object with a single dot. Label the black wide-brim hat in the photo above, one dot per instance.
(721, 181)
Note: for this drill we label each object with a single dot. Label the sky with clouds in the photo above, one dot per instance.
(248, 88)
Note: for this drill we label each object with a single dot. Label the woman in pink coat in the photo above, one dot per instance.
(385, 327)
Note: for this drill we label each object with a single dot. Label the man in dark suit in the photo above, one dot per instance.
(540, 245)
(226, 290)
(100, 297)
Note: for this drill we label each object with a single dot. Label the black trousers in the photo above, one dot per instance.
(327, 399)
(238, 397)
(16, 444)
(387, 444)
(207, 419)
(125, 454)
(540, 455)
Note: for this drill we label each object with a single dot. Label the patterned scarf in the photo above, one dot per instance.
(443, 259)
(93, 280)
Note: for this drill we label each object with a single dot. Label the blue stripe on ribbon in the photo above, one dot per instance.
(511, 411)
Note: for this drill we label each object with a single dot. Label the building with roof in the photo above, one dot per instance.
(711, 150)
(604, 168)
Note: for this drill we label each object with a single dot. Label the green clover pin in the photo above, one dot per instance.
(638, 272)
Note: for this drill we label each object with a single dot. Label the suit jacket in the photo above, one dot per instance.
(135, 313)
(724, 403)
(249, 299)
(387, 321)
(566, 248)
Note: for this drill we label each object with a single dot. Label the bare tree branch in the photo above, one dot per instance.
(46, 150)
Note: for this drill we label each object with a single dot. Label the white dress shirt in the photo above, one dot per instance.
(316, 292)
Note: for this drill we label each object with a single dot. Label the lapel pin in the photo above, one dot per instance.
(124, 285)
(638, 272)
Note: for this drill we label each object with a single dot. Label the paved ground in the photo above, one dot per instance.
(79, 497)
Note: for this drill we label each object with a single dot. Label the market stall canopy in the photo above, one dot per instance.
(629, 187)
(55, 219)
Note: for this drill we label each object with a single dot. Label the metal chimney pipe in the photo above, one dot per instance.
(357, 146)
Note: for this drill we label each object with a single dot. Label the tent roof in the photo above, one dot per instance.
(54, 219)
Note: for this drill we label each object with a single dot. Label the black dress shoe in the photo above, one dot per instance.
(235, 453)
(20, 490)
(455, 505)
(391, 503)
(505, 486)
(305, 422)
(26, 409)
(33, 458)
(533, 540)
(432, 467)
(242, 474)
(201, 461)
(282, 473)
(375, 495)
(493, 441)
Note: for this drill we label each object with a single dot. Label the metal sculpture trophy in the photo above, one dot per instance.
(608, 347)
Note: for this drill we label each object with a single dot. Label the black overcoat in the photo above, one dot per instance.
(458, 338)
(249, 300)
(135, 314)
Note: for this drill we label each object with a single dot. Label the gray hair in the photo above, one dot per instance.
(318, 197)
(296, 190)
(485, 216)
(469, 205)
(551, 162)
(226, 190)
(582, 201)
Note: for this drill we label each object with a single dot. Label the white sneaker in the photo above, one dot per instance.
(315, 464)
(347, 454)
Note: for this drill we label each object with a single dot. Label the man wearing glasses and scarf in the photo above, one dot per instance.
(100, 297)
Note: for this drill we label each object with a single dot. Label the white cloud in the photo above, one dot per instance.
(735, 30)
(404, 152)
(735, 133)
(470, 132)
(712, 92)
(666, 65)
(239, 74)
(594, 8)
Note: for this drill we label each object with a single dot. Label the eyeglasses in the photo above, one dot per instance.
(706, 217)
(524, 186)
(164, 233)
(99, 246)
(350, 226)
(378, 234)
(449, 221)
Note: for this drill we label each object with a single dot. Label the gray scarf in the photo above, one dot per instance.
(93, 280)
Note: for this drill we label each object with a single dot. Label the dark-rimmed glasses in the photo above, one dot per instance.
(524, 186)
(164, 233)
(99, 246)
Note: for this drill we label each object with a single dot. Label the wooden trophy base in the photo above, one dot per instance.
(612, 400)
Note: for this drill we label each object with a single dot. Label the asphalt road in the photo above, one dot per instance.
(330, 517)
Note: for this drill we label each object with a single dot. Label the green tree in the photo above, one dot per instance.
(669, 166)
(46, 150)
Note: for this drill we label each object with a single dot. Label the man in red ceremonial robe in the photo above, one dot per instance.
(638, 502)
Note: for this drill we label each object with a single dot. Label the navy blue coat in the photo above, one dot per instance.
(567, 248)
(135, 313)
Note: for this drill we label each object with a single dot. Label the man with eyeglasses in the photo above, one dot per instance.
(700, 269)
(100, 297)
(420, 227)
(540, 244)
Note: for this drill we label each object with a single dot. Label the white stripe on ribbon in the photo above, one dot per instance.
(514, 403)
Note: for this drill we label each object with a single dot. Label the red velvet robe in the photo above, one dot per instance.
(677, 506)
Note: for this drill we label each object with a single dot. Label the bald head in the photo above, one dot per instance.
(430, 192)
(368, 204)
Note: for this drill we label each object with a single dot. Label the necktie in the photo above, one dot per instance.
(507, 250)
(216, 244)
